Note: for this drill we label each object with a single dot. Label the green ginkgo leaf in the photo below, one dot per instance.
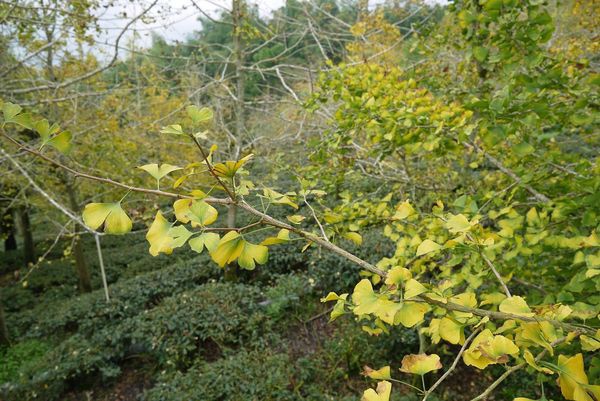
(10, 111)
(199, 115)
(112, 215)
(45, 130)
(61, 142)
(174, 129)
(159, 172)
(420, 364)
(210, 241)
(198, 212)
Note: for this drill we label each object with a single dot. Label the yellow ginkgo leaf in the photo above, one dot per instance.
(282, 236)
(278, 198)
(398, 275)
(159, 172)
(458, 224)
(403, 211)
(530, 359)
(420, 364)
(252, 254)
(354, 237)
(411, 313)
(205, 240)
(384, 390)
(451, 331)
(487, 349)
(412, 288)
(540, 333)
(229, 168)
(367, 302)
(515, 305)
(229, 248)
(427, 246)
(163, 238)
(112, 215)
(295, 219)
(573, 381)
(379, 374)
(198, 212)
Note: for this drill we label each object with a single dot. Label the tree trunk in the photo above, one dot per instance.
(28, 244)
(81, 267)
(7, 229)
(4, 340)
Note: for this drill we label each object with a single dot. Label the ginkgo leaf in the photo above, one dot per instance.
(229, 248)
(163, 238)
(427, 246)
(10, 111)
(458, 224)
(540, 333)
(174, 129)
(356, 238)
(252, 254)
(228, 169)
(339, 308)
(451, 331)
(278, 198)
(282, 236)
(397, 275)
(412, 288)
(379, 374)
(530, 359)
(112, 215)
(210, 241)
(487, 349)
(159, 172)
(199, 115)
(515, 305)
(383, 393)
(403, 211)
(411, 313)
(420, 364)
(573, 381)
(61, 142)
(198, 212)
(295, 219)
(367, 302)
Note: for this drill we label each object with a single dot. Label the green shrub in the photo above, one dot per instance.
(18, 356)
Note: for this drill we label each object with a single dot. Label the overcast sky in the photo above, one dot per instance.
(172, 19)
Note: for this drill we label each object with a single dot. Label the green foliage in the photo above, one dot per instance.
(19, 357)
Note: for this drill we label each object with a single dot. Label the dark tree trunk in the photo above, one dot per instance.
(28, 244)
(83, 272)
(7, 229)
(4, 340)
